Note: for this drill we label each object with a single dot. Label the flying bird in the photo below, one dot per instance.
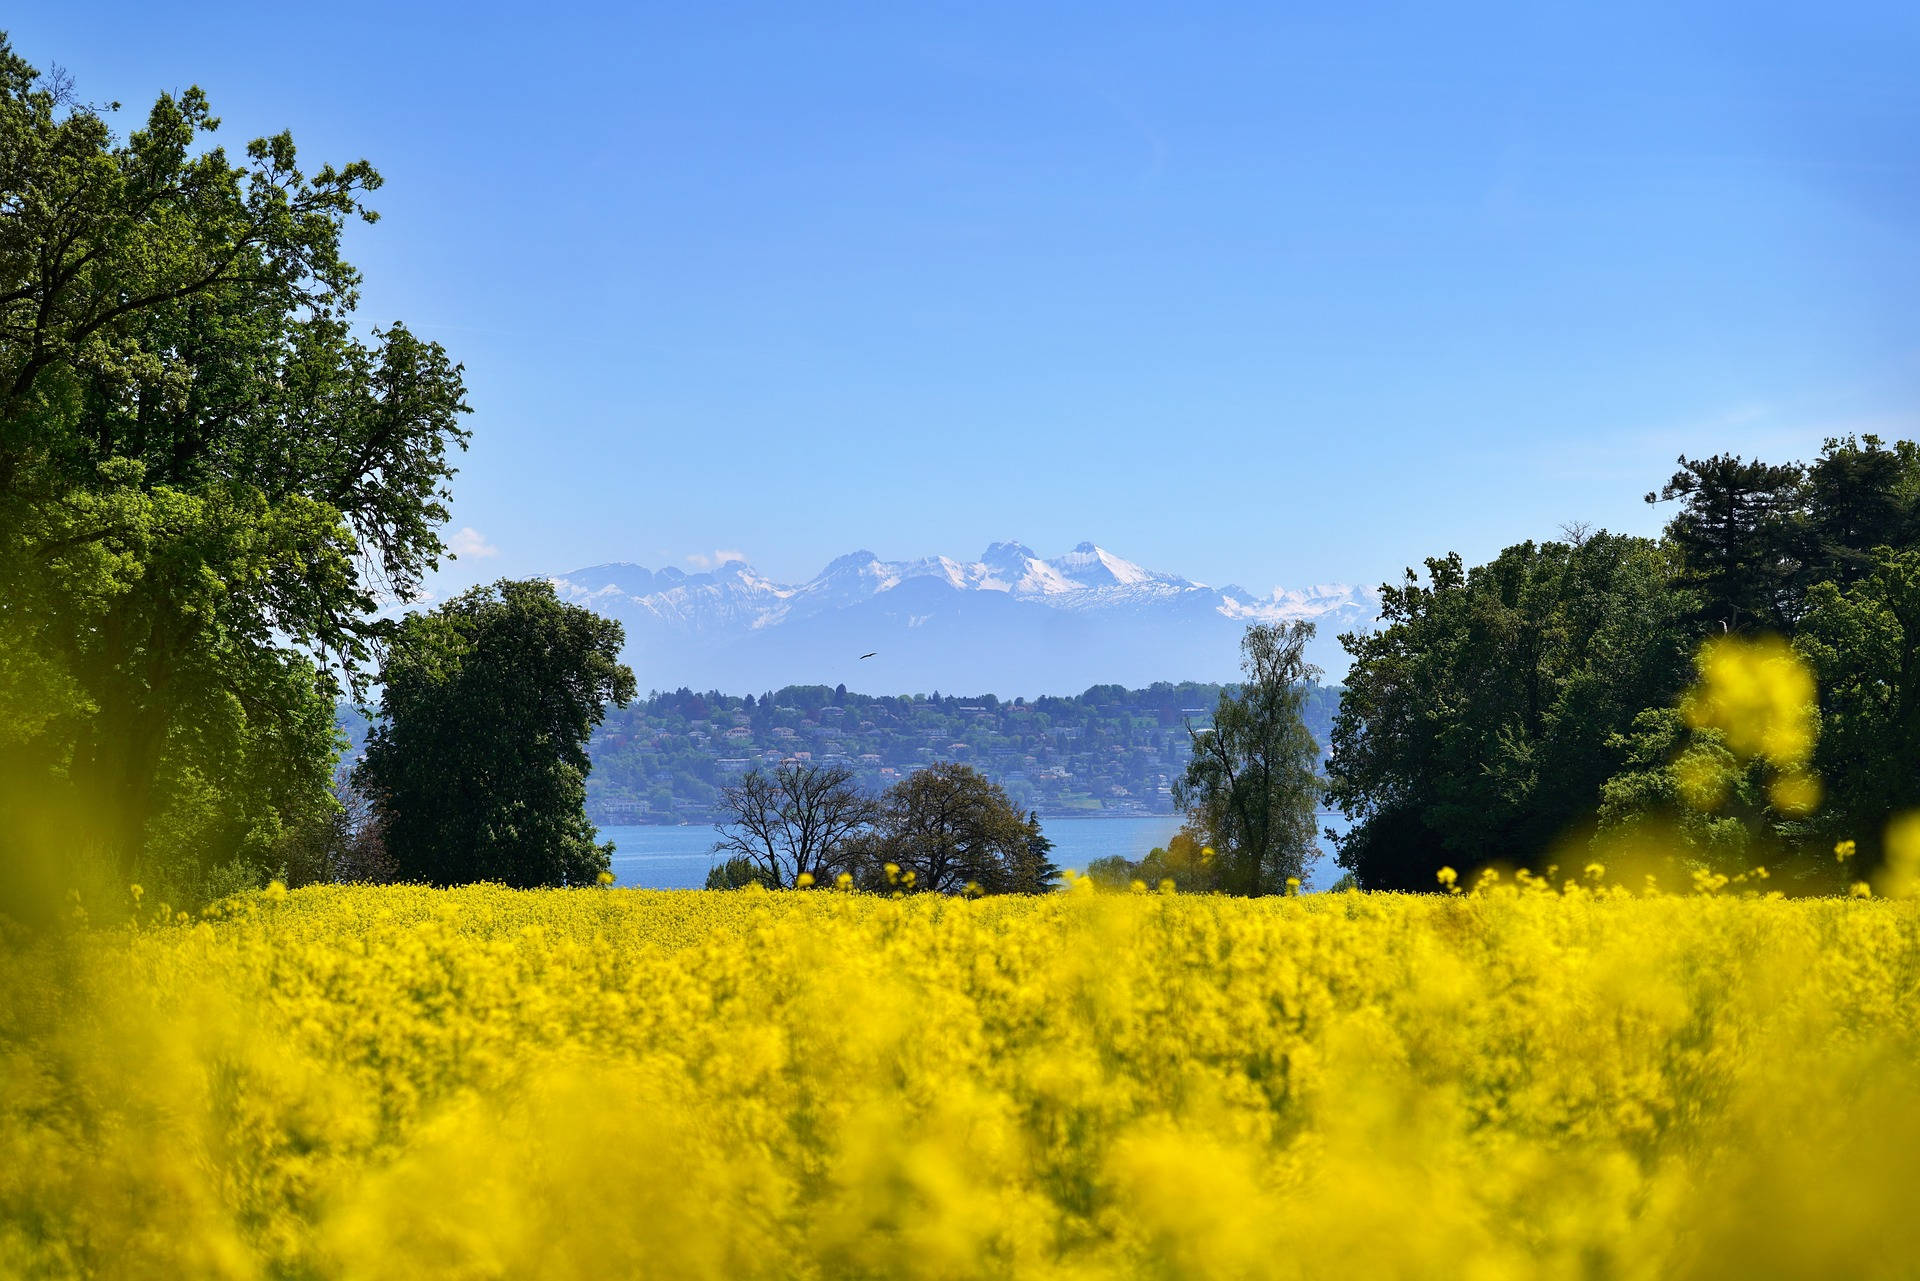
(868, 655)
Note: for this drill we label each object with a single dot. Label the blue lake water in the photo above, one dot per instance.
(677, 858)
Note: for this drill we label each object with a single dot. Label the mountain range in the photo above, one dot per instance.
(1009, 623)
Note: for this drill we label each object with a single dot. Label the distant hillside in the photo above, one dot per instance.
(1009, 622)
(1107, 752)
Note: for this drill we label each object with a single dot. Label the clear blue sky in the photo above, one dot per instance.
(1255, 294)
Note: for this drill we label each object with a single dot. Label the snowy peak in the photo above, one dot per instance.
(1015, 568)
(1010, 621)
(1088, 577)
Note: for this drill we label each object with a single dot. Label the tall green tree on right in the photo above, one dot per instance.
(1479, 721)
(1502, 710)
(1252, 788)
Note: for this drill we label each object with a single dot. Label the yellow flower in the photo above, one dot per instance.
(1899, 875)
(605, 878)
(804, 881)
(901, 1085)
(1796, 793)
(1759, 694)
(1844, 850)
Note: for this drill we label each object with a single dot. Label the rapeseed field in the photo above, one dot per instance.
(476, 1083)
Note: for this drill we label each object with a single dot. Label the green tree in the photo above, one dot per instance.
(947, 828)
(1860, 496)
(1682, 796)
(1252, 789)
(207, 476)
(1480, 719)
(1863, 642)
(478, 765)
(1738, 532)
(735, 873)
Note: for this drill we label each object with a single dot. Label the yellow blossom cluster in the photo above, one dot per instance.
(1520, 1081)
(1760, 696)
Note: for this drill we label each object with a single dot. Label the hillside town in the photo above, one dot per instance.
(1109, 752)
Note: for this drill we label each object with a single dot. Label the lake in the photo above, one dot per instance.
(677, 858)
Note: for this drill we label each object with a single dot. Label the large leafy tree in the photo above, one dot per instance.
(477, 768)
(1480, 720)
(1252, 788)
(208, 472)
(946, 829)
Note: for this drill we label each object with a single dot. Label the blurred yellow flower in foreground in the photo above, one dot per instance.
(1537, 1080)
(1759, 694)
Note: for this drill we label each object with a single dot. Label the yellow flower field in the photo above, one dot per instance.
(478, 1083)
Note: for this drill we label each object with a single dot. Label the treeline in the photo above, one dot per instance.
(940, 830)
(211, 474)
(1519, 711)
(1109, 750)
(1249, 790)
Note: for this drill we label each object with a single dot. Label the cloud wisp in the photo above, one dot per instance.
(470, 544)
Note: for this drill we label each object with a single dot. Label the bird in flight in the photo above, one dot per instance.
(868, 655)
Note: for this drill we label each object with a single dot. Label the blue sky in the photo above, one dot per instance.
(1258, 294)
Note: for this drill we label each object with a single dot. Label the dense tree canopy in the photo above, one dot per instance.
(948, 830)
(1480, 719)
(478, 766)
(208, 473)
(1863, 640)
(1503, 711)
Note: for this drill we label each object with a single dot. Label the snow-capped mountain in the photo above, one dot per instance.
(1008, 623)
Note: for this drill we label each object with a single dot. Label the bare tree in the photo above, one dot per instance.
(348, 846)
(793, 822)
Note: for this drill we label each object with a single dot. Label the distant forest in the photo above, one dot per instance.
(1108, 752)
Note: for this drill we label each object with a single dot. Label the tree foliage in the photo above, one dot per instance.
(1863, 640)
(1737, 535)
(478, 765)
(208, 472)
(1505, 710)
(1252, 788)
(948, 830)
(1480, 719)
